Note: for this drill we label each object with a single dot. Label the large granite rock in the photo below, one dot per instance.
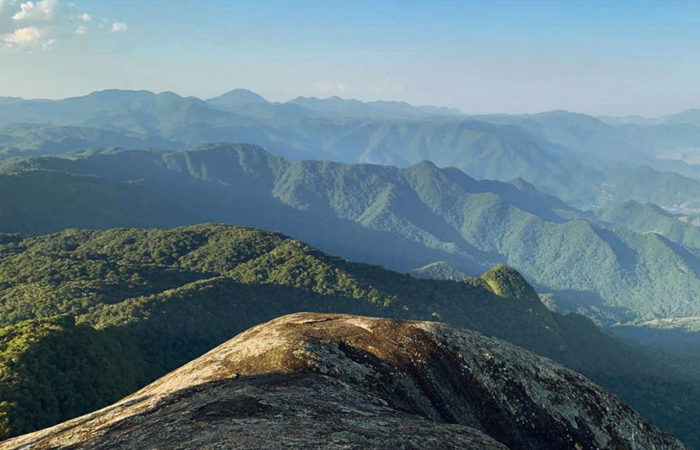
(311, 380)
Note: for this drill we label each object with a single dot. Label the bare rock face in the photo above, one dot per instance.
(311, 380)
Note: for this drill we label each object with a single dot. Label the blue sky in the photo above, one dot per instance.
(600, 57)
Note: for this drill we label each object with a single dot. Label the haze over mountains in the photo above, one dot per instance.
(606, 266)
(603, 188)
(579, 158)
(599, 214)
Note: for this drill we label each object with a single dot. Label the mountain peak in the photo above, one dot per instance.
(507, 282)
(237, 98)
(113, 93)
(425, 165)
(341, 379)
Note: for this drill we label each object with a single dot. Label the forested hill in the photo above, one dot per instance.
(90, 316)
(400, 218)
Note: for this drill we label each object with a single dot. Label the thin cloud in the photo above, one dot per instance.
(330, 86)
(43, 10)
(39, 24)
(26, 38)
(119, 27)
(24, 35)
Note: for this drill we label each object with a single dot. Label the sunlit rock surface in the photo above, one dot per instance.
(310, 380)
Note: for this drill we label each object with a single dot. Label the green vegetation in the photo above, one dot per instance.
(565, 154)
(90, 316)
(51, 369)
(45, 139)
(668, 189)
(136, 303)
(649, 218)
(400, 218)
(439, 270)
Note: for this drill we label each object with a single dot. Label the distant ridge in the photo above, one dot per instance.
(237, 98)
(376, 109)
(439, 270)
(399, 217)
(578, 158)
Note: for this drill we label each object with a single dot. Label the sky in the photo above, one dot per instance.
(614, 57)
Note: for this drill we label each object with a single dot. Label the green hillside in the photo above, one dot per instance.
(400, 218)
(89, 316)
(668, 189)
(649, 218)
(44, 139)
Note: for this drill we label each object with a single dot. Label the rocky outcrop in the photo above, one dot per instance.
(310, 380)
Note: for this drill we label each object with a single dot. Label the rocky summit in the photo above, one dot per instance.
(341, 381)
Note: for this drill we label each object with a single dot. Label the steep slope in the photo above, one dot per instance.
(442, 210)
(401, 218)
(441, 384)
(480, 149)
(649, 218)
(144, 302)
(668, 189)
(147, 301)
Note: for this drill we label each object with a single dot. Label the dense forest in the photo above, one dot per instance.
(90, 316)
(179, 176)
(612, 267)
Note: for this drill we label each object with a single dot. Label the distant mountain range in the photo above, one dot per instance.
(581, 159)
(601, 215)
(611, 267)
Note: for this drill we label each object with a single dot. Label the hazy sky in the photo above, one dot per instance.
(600, 57)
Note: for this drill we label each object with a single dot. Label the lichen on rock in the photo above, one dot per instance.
(310, 380)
